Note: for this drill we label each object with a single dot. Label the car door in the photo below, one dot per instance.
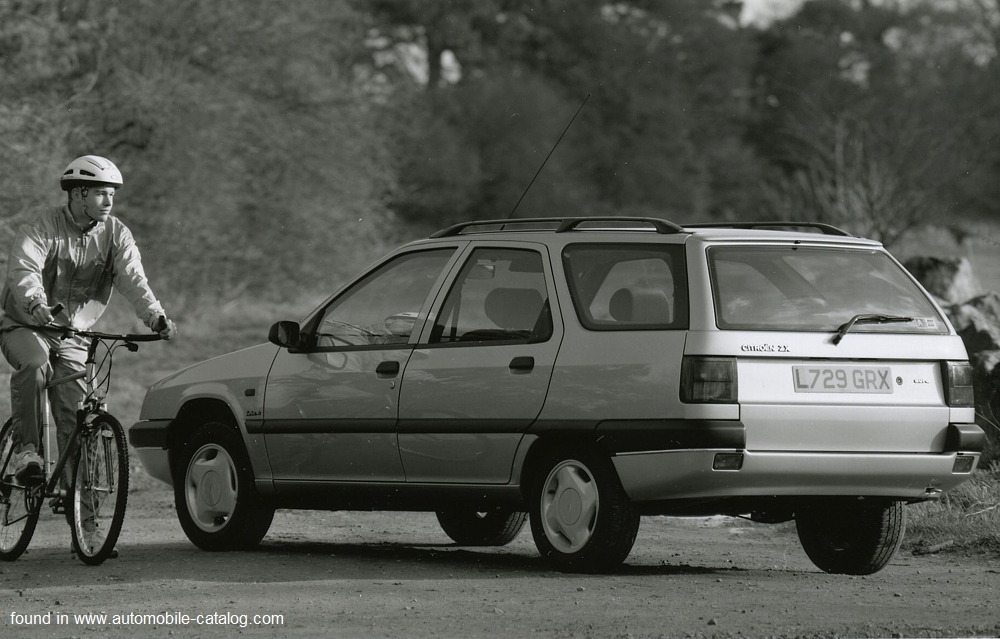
(330, 406)
(479, 376)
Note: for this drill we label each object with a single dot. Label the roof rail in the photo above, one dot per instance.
(661, 226)
(825, 229)
(557, 224)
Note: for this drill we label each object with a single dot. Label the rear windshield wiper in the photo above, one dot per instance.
(867, 318)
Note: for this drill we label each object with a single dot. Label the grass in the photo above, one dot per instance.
(967, 519)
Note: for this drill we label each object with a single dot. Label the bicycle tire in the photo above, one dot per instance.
(19, 506)
(100, 489)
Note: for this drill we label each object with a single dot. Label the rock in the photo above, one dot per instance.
(977, 321)
(950, 280)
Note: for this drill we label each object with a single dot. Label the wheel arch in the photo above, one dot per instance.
(541, 448)
(192, 414)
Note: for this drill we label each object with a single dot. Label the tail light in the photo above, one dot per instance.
(958, 384)
(708, 380)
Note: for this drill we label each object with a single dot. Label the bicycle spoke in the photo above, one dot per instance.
(99, 490)
(19, 505)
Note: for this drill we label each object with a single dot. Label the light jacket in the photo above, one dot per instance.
(54, 261)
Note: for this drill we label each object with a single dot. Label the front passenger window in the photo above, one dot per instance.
(499, 296)
(384, 306)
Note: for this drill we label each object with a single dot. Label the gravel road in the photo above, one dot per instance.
(320, 574)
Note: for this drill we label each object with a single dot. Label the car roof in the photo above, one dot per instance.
(616, 226)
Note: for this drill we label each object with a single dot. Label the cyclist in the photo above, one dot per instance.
(73, 255)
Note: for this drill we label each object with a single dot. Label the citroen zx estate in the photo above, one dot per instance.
(582, 373)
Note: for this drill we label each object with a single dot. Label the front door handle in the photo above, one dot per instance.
(525, 363)
(387, 369)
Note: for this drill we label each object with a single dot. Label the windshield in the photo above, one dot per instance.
(815, 289)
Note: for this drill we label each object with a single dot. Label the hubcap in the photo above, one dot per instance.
(211, 487)
(569, 506)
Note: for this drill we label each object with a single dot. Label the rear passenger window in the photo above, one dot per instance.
(628, 286)
(499, 296)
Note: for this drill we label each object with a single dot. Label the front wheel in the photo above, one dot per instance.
(482, 528)
(581, 518)
(217, 504)
(19, 506)
(852, 538)
(100, 490)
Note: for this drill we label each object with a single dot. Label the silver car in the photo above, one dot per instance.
(581, 373)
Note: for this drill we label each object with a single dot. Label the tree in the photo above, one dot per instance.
(864, 109)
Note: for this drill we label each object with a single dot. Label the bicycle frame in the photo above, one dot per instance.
(93, 401)
(96, 446)
(92, 404)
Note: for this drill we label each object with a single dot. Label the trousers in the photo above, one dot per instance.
(36, 358)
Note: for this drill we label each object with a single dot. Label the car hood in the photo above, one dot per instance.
(236, 378)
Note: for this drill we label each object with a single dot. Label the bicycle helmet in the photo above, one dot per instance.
(90, 170)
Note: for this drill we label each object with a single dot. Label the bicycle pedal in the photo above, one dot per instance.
(29, 480)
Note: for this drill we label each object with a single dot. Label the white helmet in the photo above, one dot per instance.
(89, 170)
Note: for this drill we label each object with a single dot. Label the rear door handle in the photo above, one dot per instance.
(387, 369)
(525, 363)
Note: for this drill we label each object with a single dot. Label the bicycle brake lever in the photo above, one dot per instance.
(131, 347)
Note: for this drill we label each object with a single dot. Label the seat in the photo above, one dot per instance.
(513, 309)
(639, 306)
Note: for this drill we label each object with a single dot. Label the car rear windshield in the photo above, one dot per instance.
(628, 287)
(779, 288)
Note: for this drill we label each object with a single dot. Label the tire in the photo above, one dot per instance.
(99, 494)
(217, 504)
(483, 528)
(581, 518)
(852, 539)
(19, 506)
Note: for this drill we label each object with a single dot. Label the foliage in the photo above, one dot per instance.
(279, 148)
(875, 115)
(965, 519)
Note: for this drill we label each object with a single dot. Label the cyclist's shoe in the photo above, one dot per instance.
(28, 468)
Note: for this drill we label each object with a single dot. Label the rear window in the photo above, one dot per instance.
(774, 288)
(619, 287)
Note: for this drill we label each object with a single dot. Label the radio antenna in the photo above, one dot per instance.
(548, 156)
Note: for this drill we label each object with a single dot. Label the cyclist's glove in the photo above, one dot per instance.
(166, 328)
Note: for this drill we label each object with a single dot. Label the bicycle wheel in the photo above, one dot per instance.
(19, 506)
(100, 490)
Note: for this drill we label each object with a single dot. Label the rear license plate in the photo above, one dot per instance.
(842, 379)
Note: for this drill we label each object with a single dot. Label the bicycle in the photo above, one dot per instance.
(101, 476)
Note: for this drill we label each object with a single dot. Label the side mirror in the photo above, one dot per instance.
(285, 334)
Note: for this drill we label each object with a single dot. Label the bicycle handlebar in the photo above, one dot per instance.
(68, 331)
(144, 337)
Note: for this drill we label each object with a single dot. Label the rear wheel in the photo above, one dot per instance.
(217, 504)
(482, 528)
(852, 538)
(19, 506)
(100, 490)
(581, 518)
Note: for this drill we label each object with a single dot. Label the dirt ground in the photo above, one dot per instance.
(397, 575)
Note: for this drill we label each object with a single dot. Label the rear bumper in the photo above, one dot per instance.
(149, 439)
(688, 474)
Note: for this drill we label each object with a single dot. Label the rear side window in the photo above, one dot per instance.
(814, 289)
(619, 287)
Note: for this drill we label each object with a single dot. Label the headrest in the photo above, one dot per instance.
(513, 308)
